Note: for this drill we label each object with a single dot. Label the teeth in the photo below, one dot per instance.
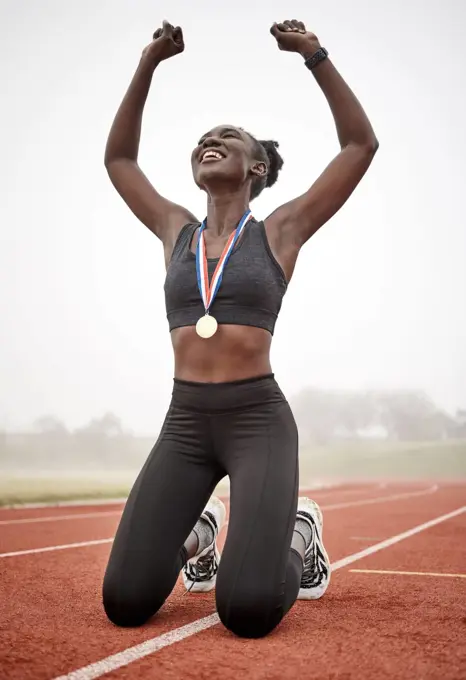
(212, 154)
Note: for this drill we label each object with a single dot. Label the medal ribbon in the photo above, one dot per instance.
(209, 291)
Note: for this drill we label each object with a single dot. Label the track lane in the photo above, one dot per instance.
(33, 536)
(366, 627)
(76, 626)
(31, 533)
(24, 512)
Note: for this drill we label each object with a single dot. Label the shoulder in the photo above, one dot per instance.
(180, 240)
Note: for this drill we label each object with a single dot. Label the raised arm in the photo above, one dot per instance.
(161, 216)
(299, 219)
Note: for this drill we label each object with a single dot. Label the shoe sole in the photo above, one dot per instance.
(317, 593)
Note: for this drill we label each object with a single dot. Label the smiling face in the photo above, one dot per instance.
(226, 157)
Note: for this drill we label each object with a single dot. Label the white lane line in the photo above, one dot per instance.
(111, 663)
(58, 518)
(338, 506)
(345, 492)
(396, 539)
(34, 551)
(116, 661)
(382, 499)
(67, 546)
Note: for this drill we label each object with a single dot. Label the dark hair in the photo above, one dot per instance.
(267, 151)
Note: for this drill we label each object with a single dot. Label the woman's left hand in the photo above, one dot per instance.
(292, 36)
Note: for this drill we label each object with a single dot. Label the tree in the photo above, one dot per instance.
(407, 415)
(109, 425)
(49, 425)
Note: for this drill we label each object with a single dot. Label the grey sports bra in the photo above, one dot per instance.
(252, 287)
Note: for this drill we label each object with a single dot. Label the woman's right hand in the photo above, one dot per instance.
(167, 42)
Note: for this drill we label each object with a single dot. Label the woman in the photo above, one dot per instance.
(225, 282)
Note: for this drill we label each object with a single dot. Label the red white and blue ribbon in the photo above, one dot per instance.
(209, 291)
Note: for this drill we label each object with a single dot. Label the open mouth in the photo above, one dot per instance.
(211, 155)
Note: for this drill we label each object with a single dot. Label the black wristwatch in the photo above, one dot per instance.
(317, 57)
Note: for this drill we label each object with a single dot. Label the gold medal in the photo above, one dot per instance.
(207, 326)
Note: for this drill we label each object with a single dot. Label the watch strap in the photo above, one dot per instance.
(319, 56)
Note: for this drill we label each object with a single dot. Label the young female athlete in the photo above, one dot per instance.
(224, 286)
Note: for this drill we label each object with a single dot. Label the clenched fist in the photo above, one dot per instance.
(292, 36)
(167, 42)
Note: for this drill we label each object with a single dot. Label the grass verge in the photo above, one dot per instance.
(345, 461)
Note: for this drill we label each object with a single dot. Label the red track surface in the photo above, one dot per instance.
(368, 625)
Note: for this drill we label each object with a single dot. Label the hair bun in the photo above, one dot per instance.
(275, 160)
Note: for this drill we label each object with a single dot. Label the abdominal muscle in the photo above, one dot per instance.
(233, 353)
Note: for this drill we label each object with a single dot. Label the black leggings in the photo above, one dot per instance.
(245, 430)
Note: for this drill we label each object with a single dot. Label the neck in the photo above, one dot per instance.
(224, 212)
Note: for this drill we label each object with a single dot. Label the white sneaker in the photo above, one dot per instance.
(200, 572)
(316, 573)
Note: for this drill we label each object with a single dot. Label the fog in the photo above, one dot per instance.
(377, 299)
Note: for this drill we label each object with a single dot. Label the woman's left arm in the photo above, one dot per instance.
(303, 216)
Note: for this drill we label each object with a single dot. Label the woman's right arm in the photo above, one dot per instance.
(164, 218)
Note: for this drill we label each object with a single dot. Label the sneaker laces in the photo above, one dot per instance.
(205, 566)
(203, 569)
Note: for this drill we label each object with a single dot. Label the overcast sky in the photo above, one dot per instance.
(378, 297)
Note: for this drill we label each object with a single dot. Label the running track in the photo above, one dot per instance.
(395, 608)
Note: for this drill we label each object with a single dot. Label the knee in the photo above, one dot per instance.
(248, 615)
(125, 605)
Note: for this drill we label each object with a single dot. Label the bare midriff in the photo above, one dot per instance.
(233, 353)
